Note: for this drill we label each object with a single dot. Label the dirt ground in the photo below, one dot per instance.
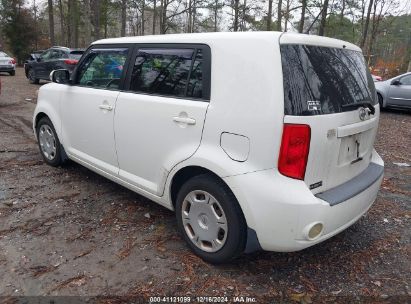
(69, 232)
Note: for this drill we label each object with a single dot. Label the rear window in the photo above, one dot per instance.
(76, 55)
(321, 80)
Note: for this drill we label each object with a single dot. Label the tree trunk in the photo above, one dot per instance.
(154, 16)
(342, 11)
(51, 22)
(269, 15)
(302, 18)
(97, 9)
(69, 22)
(123, 17)
(323, 18)
(215, 15)
(286, 16)
(190, 17)
(367, 21)
(62, 29)
(143, 7)
(76, 36)
(236, 9)
(87, 23)
(409, 66)
(279, 14)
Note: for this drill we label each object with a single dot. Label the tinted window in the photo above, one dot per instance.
(195, 85)
(320, 80)
(102, 68)
(162, 71)
(2, 54)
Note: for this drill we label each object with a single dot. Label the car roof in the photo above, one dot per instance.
(284, 38)
(64, 48)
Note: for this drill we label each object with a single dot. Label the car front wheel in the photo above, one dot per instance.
(210, 219)
(49, 143)
(31, 75)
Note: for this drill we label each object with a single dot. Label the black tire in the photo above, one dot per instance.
(31, 75)
(57, 159)
(236, 225)
(12, 73)
(380, 101)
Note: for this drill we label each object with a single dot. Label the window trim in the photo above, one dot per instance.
(194, 46)
(93, 47)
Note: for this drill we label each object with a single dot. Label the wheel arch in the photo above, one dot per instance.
(185, 173)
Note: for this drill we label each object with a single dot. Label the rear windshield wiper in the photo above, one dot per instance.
(368, 105)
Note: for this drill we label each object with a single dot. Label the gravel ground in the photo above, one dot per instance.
(69, 232)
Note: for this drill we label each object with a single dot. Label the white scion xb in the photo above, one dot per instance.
(258, 140)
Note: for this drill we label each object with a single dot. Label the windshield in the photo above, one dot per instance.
(2, 54)
(321, 80)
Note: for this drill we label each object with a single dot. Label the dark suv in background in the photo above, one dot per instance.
(57, 57)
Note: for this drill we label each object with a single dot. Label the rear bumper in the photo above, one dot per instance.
(7, 68)
(281, 210)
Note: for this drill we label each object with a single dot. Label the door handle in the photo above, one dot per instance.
(106, 107)
(185, 120)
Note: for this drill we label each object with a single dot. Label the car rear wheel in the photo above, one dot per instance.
(49, 143)
(210, 219)
(31, 75)
(12, 73)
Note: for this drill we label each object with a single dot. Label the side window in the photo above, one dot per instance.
(55, 54)
(195, 84)
(46, 55)
(406, 80)
(102, 68)
(162, 71)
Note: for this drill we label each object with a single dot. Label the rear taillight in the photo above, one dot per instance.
(71, 61)
(13, 61)
(295, 146)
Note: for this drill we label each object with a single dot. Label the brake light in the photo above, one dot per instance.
(71, 61)
(13, 61)
(295, 145)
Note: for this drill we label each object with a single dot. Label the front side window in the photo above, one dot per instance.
(103, 69)
(406, 80)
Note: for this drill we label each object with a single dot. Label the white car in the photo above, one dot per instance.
(260, 140)
(7, 64)
(395, 92)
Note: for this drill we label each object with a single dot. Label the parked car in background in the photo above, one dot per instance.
(395, 92)
(257, 140)
(33, 57)
(7, 64)
(376, 78)
(55, 58)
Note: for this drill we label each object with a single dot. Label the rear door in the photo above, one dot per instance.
(324, 88)
(400, 95)
(159, 119)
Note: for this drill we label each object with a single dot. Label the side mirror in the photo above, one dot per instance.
(396, 82)
(60, 76)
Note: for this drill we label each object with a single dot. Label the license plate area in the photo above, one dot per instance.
(354, 147)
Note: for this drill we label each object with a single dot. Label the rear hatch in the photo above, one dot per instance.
(330, 89)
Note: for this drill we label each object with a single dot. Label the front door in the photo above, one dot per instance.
(400, 95)
(159, 119)
(88, 106)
